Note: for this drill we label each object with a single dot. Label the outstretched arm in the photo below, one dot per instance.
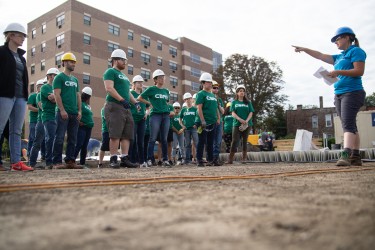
(316, 54)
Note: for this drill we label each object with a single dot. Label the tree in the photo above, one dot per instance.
(370, 100)
(219, 77)
(276, 121)
(262, 80)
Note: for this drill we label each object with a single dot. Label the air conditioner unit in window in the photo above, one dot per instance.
(174, 71)
(173, 56)
(145, 46)
(146, 63)
(146, 79)
(174, 86)
(60, 26)
(59, 46)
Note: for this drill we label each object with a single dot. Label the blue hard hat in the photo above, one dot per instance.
(341, 31)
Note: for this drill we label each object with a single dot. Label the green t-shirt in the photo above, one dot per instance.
(39, 109)
(137, 116)
(209, 106)
(69, 88)
(188, 116)
(33, 116)
(104, 123)
(86, 118)
(228, 124)
(159, 98)
(176, 122)
(242, 110)
(221, 103)
(49, 108)
(121, 84)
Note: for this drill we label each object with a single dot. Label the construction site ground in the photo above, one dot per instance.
(239, 206)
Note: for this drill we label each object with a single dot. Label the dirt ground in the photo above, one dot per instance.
(331, 210)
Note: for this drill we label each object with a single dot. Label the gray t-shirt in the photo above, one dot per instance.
(19, 74)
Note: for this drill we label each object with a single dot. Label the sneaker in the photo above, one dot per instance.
(217, 163)
(113, 162)
(100, 165)
(178, 163)
(167, 164)
(344, 159)
(200, 164)
(160, 163)
(209, 164)
(126, 163)
(20, 166)
(59, 166)
(151, 164)
(171, 163)
(143, 165)
(355, 160)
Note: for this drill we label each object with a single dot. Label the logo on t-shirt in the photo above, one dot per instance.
(123, 77)
(160, 96)
(240, 106)
(209, 98)
(70, 84)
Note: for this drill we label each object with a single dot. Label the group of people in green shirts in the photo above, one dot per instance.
(133, 119)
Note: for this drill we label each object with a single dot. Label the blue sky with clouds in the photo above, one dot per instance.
(254, 27)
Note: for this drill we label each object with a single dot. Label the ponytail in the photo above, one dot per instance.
(356, 42)
(354, 39)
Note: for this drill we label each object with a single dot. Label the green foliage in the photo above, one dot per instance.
(288, 136)
(262, 80)
(370, 100)
(331, 141)
(275, 121)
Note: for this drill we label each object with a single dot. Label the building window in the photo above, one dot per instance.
(58, 60)
(328, 120)
(173, 81)
(44, 28)
(33, 51)
(160, 61)
(33, 33)
(160, 45)
(60, 40)
(32, 69)
(32, 88)
(195, 58)
(195, 72)
(173, 97)
(87, 39)
(113, 29)
(86, 59)
(314, 121)
(86, 78)
(195, 86)
(130, 52)
(145, 58)
(60, 20)
(173, 66)
(145, 74)
(130, 69)
(42, 65)
(87, 19)
(145, 41)
(130, 35)
(43, 47)
(112, 47)
(173, 51)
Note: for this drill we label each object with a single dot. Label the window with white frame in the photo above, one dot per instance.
(32, 69)
(114, 29)
(86, 59)
(195, 58)
(86, 39)
(195, 86)
(173, 81)
(43, 47)
(173, 66)
(130, 35)
(86, 78)
(33, 33)
(173, 97)
(160, 45)
(130, 70)
(145, 74)
(112, 46)
(160, 61)
(328, 120)
(87, 19)
(58, 60)
(60, 40)
(195, 72)
(145, 41)
(33, 51)
(145, 57)
(44, 28)
(172, 51)
(130, 52)
(42, 65)
(314, 121)
(60, 20)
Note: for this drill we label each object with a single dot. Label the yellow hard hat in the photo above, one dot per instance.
(228, 104)
(69, 57)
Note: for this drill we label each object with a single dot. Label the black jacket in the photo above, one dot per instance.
(8, 72)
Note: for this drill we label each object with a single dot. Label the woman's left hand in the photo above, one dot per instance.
(333, 74)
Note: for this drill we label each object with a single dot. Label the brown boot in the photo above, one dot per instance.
(244, 156)
(231, 156)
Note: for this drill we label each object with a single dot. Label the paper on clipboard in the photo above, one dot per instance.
(323, 73)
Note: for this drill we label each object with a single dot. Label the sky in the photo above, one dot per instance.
(261, 28)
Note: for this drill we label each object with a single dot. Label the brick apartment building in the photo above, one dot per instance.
(316, 120)
(92, 35)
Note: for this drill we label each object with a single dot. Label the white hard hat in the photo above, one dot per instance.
(87, 90)
(186, 96)
(137, 78)
(206, 77)
(195, 96)
(240, 87)
(53, 71)
(184, 104)
(176, 104)
(40, 82)
(45, 80)
(119, 53)
(157, 73)
(16, 27)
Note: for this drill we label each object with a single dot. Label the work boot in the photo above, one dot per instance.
(344, 159)
(355, 160)
(216, 162)
(126, 163)
(231, 156)
(113, 162)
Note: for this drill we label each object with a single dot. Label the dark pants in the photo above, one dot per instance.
(136, 148)
(236, 134)
(206, 137)
(83, 138)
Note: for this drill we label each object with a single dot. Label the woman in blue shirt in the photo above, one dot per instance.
(349, 66)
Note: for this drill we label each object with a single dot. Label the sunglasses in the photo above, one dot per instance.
(215, 87)
(176, 108)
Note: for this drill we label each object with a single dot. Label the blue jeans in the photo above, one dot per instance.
(38, 140)
(69, 126)
(206, 138)
(13, 109)
(190, 134)
(136, 148)
(50, 132)
(218, 136)
(83, 138)
(178, 140)
(158, 122)
(32, 126)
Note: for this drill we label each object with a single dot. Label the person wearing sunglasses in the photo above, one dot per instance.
(218, 135)
(349, 67)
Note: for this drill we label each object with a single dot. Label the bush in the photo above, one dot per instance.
(331, 141)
